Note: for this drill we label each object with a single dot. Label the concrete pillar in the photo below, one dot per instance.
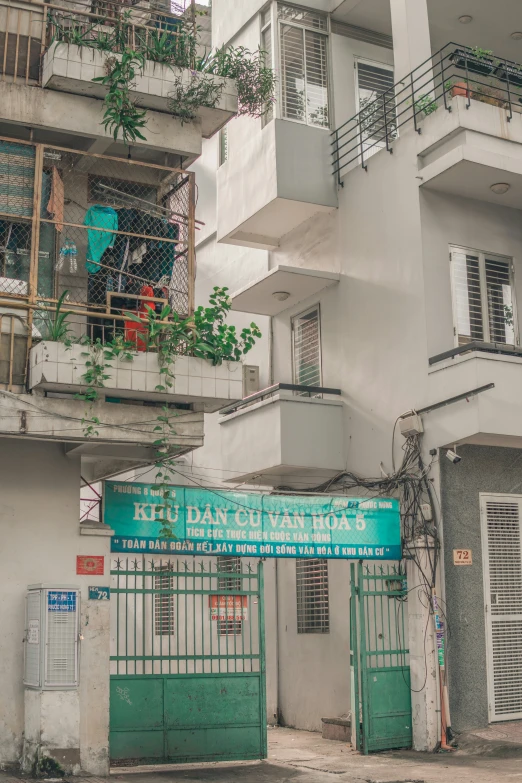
(423, 652)
(411, 35)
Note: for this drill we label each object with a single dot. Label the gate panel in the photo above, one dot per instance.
(188, 674)
(380, 657)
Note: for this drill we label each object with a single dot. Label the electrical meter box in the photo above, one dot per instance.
(52, 626)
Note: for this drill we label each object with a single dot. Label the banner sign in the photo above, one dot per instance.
(215, 522)
(228, 607)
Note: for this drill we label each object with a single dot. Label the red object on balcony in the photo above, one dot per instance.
(135, 332)
(460, 88)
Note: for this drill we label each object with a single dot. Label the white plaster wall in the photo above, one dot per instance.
(39, 523)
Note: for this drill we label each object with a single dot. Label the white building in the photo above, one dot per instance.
(394, 280)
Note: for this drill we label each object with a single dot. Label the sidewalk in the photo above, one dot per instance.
(304, 757)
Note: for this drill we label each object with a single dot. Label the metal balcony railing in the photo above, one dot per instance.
(108, 234)
(270, 391)
(475, 74)
(28, 28)
(475, 345)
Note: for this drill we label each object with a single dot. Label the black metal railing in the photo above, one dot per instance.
(499, 348)
(270, 391)
(475, 74)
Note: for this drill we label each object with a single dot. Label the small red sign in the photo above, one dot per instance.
(90, 564)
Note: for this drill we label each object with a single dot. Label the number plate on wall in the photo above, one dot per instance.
(462, 557)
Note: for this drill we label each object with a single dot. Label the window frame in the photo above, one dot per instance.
(162, 573)
(270, 25)
(376, 146)
(229, 581)
(293, 319)
(276, 28)
(482, 255)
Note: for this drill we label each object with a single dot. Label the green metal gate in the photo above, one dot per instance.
(187, 661)
(381, 697)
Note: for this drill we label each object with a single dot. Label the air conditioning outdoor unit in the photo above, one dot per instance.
(52, 617)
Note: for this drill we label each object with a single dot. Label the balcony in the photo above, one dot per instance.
(278, 437)
(279, 181)
(467, 111)
(63, 48)
(489, 418)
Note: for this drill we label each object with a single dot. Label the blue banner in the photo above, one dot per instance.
(215, 522)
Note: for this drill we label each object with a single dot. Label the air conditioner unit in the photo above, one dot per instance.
(51, 639)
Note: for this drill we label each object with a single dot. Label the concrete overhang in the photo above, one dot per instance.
(258, 297)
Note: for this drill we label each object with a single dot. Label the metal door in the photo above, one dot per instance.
(381, 700)
(502, 547)
(187, 661)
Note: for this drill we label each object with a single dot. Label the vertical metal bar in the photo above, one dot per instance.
(375, 643)
(6, 42)
(191, 240)
(445, 97)
(135, 651)
(170, 609)
(35, 241)
(152, 614)
(262, 662)
(361, 145)
(186, 620)
(117, 619)
(355, 655)
(468, 91)
(250, 616)
(413, 103)
(391, 646)
(15, 71)
(126, 621)
(143, 613)
(194, 615)
(385, 120)
(509, 93)
(364, 662)
(29, 38)
(177, 618)
(11, 354)
(211, 629)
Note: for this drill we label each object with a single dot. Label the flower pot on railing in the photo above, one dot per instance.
(509, 71)
(462, 58)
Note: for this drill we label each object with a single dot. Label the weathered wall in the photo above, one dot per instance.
(482, 469)
(39, 524)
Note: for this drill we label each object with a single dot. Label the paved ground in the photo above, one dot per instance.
(490, 756)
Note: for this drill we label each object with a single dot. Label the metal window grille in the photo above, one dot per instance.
(223, 145)
(483, 297)
(313, 614)
(164, 603)
(304, 66)
(229, 564)
(306, 343)
(503, 587)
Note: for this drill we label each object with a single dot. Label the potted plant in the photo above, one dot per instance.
(476, 60)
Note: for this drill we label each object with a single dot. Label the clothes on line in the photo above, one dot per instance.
(55, 205)
(99, 241)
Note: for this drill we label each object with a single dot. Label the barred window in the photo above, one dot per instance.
(313, 615)
(306, 345)
(164, 602)
(229, 564)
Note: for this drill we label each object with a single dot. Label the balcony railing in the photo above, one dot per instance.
(475, 74)
(110, 235)
(474, 345)
(270, 391)
(29, 28)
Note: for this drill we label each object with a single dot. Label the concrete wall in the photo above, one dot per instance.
(481, 470)
(39, 521)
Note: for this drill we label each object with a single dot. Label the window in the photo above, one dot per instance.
(483, 297)
(303, 41)
(374, 79)
(223, 145)
(306, 344)
(229, 564)
(164, 602)
(267, 49)
(313, 614)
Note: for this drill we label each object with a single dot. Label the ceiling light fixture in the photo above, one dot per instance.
(499, 188)
(466, 19)
(281, 296)
(517, 35)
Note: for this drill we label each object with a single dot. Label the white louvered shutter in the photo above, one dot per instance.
(501, 520)
(378, 114)
(482, 297)
(307, 348)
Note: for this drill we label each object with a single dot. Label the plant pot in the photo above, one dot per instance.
(461, 88)
(510, 72)
(462, 59)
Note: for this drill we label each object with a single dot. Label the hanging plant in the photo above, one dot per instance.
(187, 97)
(121, 112)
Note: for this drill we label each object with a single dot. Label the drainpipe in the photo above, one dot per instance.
(278, 681)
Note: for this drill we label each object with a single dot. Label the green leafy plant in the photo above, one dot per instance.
(55, 323)
(481, 54)
(47, 767)
(186, 97)
(255, 81)
(426, 104)
(121, 112)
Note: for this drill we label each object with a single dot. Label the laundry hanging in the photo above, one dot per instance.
(55, 205)
(99, 217)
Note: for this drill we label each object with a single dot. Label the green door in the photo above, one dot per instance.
(381, 697)
(187, 665)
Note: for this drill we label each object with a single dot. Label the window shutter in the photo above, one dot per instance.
(164, 602)
(316, 78)
(292, 73)
(372, 82)
(313, 615)
(504, 599)
(467, 297)
(500, 302)
(223, 145)
(307, 348)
